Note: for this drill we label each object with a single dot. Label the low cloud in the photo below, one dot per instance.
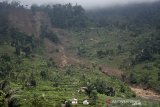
(86, 3)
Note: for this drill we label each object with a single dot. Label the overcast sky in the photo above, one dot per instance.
(86, 3)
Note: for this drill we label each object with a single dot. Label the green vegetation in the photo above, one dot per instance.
(34, 81)
(118, 49)
(114, 39)
(45, 33)
(64, 16)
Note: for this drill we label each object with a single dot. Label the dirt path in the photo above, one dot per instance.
(63, 57)
(60, 57)
(67, 58)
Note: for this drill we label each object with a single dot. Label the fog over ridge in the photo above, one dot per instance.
(85, 3)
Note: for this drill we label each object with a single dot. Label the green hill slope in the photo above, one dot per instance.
(47, 59)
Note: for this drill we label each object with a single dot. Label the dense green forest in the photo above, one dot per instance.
(139, 15)
(64, 16)
(125, 38)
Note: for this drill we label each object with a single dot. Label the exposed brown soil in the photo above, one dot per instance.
(111, 72)
(28, 22)
(62, 57)
(146, 94)
(139, 91)
(22, 19)
(31, 23)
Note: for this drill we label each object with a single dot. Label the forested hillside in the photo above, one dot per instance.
(138, 28)
(52, 54)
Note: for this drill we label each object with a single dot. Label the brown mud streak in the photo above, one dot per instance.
(139, 91)
(145, 94)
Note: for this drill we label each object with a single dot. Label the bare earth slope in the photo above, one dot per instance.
(145, 94)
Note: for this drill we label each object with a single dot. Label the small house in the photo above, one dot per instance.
(85, 102)
(74, 101)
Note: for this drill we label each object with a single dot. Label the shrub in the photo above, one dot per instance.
(14, 102)
(45, 33)
(132, 78)
(148, 67)
(101, 87)
(159, 76)
(43, 74)
(82, 51)
(106, 53)
(94, 97)
(37, 101)
(56, 80)
(31, 81)
(52, 36)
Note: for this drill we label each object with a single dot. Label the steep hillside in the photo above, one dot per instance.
(28, 22)
(32, 24)
(130, 41)
(52, 54)
(35, 65)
